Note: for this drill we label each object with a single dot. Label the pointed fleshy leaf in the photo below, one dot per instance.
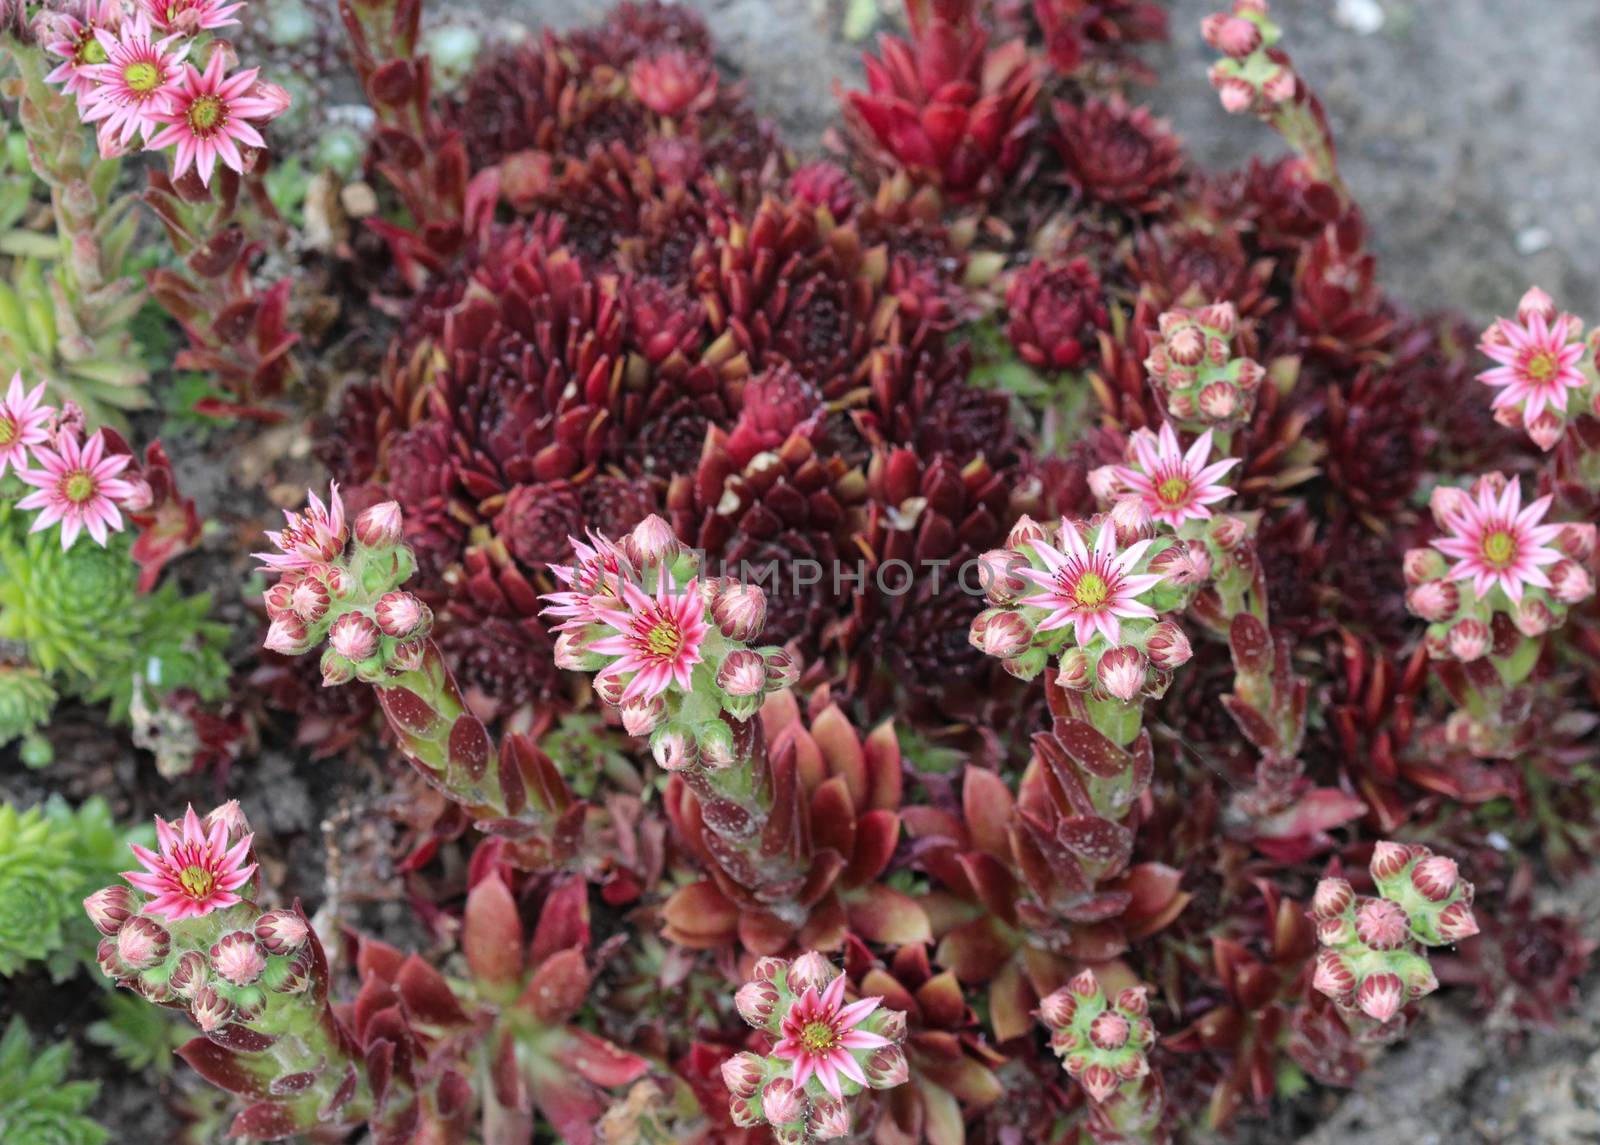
(886, 916)
(491, 933)
(557, 988)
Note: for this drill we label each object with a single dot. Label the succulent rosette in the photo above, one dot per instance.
(822, 1050)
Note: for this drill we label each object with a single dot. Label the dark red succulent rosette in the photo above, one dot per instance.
(1117, 155)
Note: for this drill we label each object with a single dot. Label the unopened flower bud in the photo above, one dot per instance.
(142, 943)
(830, 1119)
(741, 611)
(1028, 665)
(1279, 87)
(380, 527)
(1001, 633)
(1024, 533)
(1469, 639)
(674, 748)
(238, 957)
(109, 961)
(1336, 931)
(1131, 519)
(281, 931)
(279, 599)
(1389, 859)
(399, 614)
(1231, 35)
(756, 1002)
(1249, 375)
(210, 1010)
(1121, 671)
(1456, 922)
(1084, 984)
(1073, 671)
(295, 977)
(1382, 925)
(1104, 483)
(110, 907)
(890, 1024)
(714, 742)
(1380, 996)
(1236, 95)
(887, 1068)
(1570, 582)
(1424, 565)
(810, 969)
(1182, 563)
(1446, 502)
(1167, 646)
(1186, 346)
(1109, 1030)
(640, 717)
(1331, 898)
(570, 655)
(309, 599)
(1058, 1008)
(769, 969)
(1218, 401)
(998, 573)
(1435, 877)
(1099, 1081)
(1535, 301)
(781, 1102)
(1545, 430)
(743, 673)
(742, 1074)
(189, 974)
(1533, 617)
(409, 655)
(1333, 976)
(287, 636)
(653, 542)
(1134, 1000)
(1577, 540)
(1434, 600)
(783, 670)
(355, 637)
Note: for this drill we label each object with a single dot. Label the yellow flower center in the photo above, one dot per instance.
(1173, 490)
(142, 77)
(1541, 367)
(78, 487)
(197, 881)
(819, 1037)
(1091, 590)
(1499, 547)
(664, 639)
(8, 431)
(90, 50)
(206, 114)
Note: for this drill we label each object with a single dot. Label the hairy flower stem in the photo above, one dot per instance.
(90, 300)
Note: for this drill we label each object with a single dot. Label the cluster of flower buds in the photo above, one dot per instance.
(185, 934)
(1103, 1045)
(1250, 76)
(342, 586)
(824, 1050)
(1372, 959)
(1544, 370)
(78, 482)
(1507, 562)
(1091, 593)
(671, 649)
(132, 69)
(1193, 365)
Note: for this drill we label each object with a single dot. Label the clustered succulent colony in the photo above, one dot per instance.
(994, 634)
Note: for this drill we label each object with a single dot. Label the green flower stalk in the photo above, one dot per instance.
(1254, 75)
(254, 982)
(69, 322)
(1102, 1043)
(343, 587)
(824, 1051)
(38, 1105)
(1374, 960)
(672, 651)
